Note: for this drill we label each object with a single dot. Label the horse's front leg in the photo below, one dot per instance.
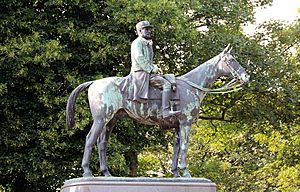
(184, 141)
(175, 153)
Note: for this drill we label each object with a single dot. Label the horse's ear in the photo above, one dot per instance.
(229, 50)
(226, 49)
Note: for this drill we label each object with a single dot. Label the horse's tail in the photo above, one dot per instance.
(70, 109)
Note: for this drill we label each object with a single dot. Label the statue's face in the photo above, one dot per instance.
(146, 33)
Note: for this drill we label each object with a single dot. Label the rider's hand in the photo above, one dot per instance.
(155, 69)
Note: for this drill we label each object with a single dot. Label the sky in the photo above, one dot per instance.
(284, 10)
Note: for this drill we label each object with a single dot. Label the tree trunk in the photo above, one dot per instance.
(132, 162)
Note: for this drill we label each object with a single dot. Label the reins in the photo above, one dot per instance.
(231, 86)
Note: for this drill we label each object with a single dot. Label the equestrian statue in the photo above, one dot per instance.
(152, 99)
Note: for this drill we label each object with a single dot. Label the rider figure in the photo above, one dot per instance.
(144, 72)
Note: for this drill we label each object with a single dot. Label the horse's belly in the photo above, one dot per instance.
(146, 113)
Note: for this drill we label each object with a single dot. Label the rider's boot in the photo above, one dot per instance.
(166, 105)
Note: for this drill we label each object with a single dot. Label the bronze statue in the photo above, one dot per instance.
(114, 97)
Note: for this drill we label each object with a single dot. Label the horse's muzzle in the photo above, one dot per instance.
(245, 78)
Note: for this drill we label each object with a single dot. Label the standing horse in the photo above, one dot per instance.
(109, 102)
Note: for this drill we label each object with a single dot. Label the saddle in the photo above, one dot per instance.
(155, 92)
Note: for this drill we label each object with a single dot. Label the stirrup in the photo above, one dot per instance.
(170, 114)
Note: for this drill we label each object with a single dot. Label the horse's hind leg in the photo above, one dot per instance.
(91, 139)
(103, 140)
(102, 148)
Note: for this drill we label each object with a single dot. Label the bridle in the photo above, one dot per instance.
(234, 73)
(231, 86)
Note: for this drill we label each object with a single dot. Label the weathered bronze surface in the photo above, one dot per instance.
(110, 99)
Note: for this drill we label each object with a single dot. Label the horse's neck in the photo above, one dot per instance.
(205, 74)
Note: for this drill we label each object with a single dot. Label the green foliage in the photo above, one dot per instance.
(155, 163)
(249, 143)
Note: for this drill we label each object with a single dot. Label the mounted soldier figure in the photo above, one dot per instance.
(113, 97)
(144, 72)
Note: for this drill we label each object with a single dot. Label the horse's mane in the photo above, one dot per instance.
(198, 74)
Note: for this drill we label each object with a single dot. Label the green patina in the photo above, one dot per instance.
(109, 95)
(112, 97)
(191, 106)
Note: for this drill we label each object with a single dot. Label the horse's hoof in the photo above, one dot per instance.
(87, 174)
(176, 174)
(187, 175)
(106, 173)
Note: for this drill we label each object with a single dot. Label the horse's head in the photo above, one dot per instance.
(230, 67)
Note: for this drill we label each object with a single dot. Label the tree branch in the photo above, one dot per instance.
(291, 45)
(222, 118)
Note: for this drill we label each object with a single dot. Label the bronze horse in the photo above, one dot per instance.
(109, 102)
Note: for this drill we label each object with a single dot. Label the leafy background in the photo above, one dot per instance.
(244, 141)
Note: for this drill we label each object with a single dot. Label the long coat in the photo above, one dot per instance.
(141, 68)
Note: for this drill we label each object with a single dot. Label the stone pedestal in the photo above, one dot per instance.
(138, 184)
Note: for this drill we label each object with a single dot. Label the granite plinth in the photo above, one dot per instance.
(138, 184)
